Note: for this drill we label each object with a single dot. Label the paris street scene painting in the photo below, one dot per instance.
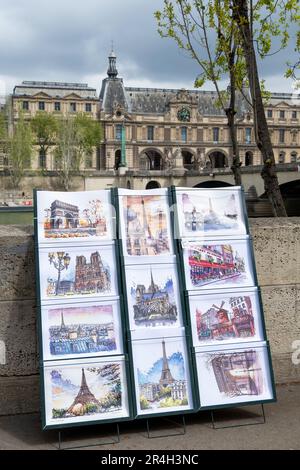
(67, 272)
(88, 329)
(212, 264)
(85, 391)
(162, 379)
(145, 225)
(153, 296)
(207, 213)
(233, 376)
(73, 216)
(225, 317)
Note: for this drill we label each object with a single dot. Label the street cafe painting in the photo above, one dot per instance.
(214, 264)
(81, 329)
(72, 216)
(231, 376)
(82, 391)
(145, 223)
(71, 272)
(225, 317)
(205, 213)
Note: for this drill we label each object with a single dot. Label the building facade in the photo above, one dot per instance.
(167, 131)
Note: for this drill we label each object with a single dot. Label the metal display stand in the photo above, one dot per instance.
(238, 425)
(114, 440)
(177, 424)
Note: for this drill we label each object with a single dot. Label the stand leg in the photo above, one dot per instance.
(114, 440)
(181, 425)
(262, 421)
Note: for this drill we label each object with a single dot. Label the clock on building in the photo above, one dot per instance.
(184, 115)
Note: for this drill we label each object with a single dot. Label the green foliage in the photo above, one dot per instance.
(76, 137)
(44, 127)
(58, 412)
(20, 150)
(91, 408)
(164, 392)
(169, 402)
(144, 403)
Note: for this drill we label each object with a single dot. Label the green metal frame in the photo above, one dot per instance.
(42, 363)
(187, 337)
(127, 355)
(252, 259)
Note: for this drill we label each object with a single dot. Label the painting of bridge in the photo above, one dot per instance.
(211, 213)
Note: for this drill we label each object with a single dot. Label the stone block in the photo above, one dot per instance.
(281, 310)
(277, 250)
(19, 395)
(19, 335)
(17, 279)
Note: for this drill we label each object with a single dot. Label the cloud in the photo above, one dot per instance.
(67, 41)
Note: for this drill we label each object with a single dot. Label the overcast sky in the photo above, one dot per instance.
(64, 40)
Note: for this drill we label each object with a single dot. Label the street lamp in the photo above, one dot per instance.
(60, 261)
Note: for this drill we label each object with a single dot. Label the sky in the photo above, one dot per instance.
(63, 40)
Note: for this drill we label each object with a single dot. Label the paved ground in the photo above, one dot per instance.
(281, 430)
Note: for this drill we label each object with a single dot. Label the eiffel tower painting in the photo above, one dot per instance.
(166, 376)
(83, 399)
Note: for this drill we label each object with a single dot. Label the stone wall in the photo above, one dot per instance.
(277, 253)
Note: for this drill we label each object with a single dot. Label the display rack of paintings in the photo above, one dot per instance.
(84, 366)
(160, 354)
(223, 300)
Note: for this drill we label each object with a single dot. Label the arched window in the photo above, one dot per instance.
(248, 158)
(293, 157)
(117, 158)
(281, 157)
(42, 159)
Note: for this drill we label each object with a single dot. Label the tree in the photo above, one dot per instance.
(271, 18)
(76, 138)
(19, 150)
(44, 126)
(263, 14)
(190, 23)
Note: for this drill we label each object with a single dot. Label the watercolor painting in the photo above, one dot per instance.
(234, 376)
(215, 265)
(69, 216)
(152, 294)
(204, 212)
(161, 375)
(225, 317)
(145, 225)
(77, 272)
(87, 329)
(85, 391)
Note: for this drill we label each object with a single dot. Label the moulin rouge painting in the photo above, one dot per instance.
(212, 264)
(77, 271)
(85, 391)
(203, 213)
(74, 216)
(145, 225)
(161, 375)
(75, 330)
(225, 317)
